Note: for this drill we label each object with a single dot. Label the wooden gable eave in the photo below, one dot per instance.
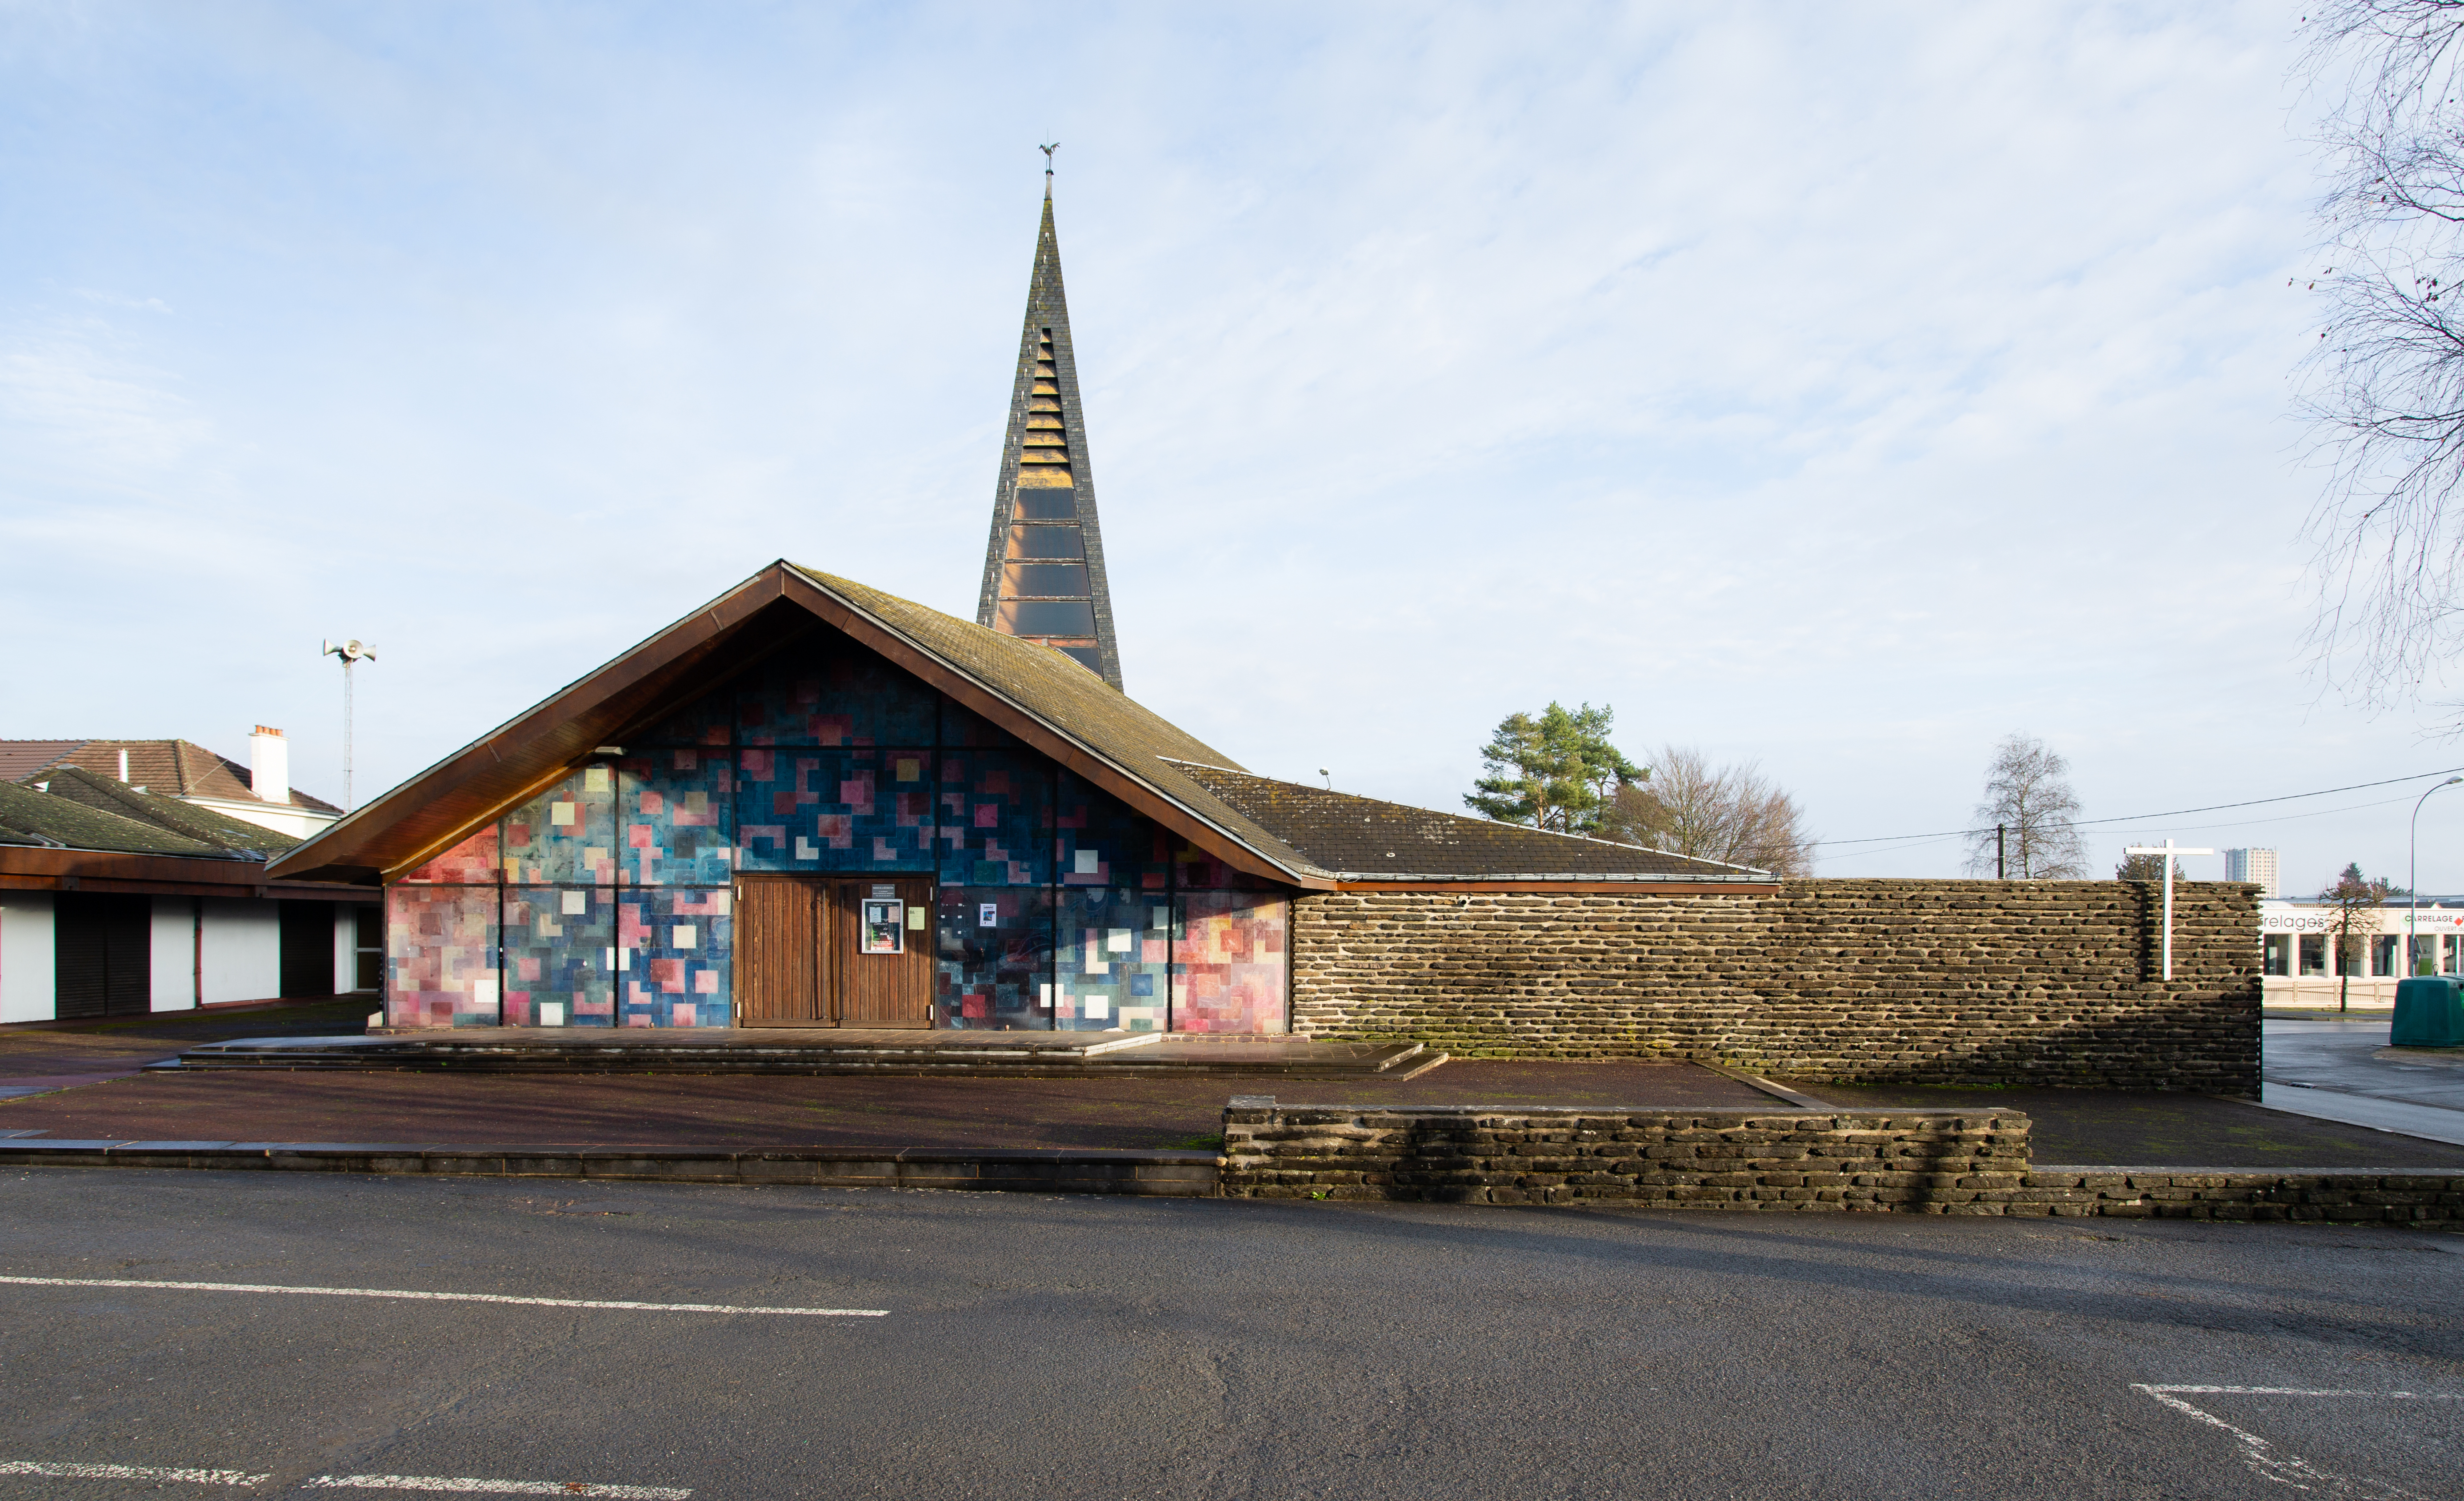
(438, 808)
(433, 811)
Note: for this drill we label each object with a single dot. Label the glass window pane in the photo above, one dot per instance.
(2279, 953)
(2313, 953)
(1227, 973)
(867, 809)
(996, 819)
(1111, 965)
(995, 969)
(1048, 616)
(1047, 541)
(560, 956)
(1047, 505)
(473, 860)
(707, 721)
(1099, 841)
(441, 956)
(674, 952)
(826, 691)
(565, 834)
(1065, 580)
(678, 822)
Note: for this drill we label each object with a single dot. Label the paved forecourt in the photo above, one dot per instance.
(632, 1341)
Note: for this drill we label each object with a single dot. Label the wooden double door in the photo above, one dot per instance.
(834, 951)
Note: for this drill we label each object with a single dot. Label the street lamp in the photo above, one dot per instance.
(352, 653)
(2412, 880)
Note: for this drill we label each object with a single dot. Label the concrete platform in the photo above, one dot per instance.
(848, 1051)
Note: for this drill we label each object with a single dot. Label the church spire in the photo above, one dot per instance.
(1043, 568)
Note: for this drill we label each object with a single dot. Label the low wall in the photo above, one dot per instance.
(1934, 1160)
(1954, 982)
(1924, 1162)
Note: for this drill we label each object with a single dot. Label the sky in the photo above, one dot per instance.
(1842, 389)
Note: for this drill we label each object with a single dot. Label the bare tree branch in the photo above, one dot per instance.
(1728, 813)
(2028, 815)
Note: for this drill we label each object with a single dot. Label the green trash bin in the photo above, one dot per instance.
(2429, 1013)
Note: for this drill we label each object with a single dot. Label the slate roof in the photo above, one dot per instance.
(1074, 701)
(1362, 839)
(27, 817)
(187, 819)
(178, 768)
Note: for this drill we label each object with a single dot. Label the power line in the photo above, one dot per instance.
(2142, 817)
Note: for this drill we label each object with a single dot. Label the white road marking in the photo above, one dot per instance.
(466, 1485)
(194, 1477)
(447, 1298)
(2261, 1456)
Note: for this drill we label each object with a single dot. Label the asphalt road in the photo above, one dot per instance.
(2341, 1053)
(1043, 1347)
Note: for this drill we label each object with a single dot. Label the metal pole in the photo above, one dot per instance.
(2412, 881)
(2000, 867)
(347, 802)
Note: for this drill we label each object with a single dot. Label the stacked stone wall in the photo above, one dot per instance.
(1931, 1161)
(1905, 1162)
(1944, 982)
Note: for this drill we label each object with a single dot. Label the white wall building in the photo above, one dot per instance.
(2256, 866)
(2302, 962)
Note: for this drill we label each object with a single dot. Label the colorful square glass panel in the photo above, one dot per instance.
(473, 861)
(1111, 968)
(441, 956)
(1228, 962)
(1098, 841)
(560, 956)
(829, 691)
(709, 720)
(565, 834)
(996, 819)
(815, 810)
(995, 969)
(677, 817)
(674, 952)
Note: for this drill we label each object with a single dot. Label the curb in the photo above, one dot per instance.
(1163, 1174)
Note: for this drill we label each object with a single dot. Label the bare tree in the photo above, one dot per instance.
(2383, 388)
(2026, 816)
(1725, 813)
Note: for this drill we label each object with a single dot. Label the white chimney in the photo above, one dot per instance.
(269, 765)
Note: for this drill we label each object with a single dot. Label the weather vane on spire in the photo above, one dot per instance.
(1048, 151)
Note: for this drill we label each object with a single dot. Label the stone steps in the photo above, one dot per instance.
(874, 1054)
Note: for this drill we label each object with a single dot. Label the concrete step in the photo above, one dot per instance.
(770, 1051)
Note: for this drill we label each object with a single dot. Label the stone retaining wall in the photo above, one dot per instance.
(1952, 1161)
(2423, 1196)
(1927, 1162)
(1869, 981)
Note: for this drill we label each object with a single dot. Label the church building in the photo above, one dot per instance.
(812, 804)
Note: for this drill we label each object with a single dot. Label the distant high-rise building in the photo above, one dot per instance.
(1044, 571)
(2252, 865)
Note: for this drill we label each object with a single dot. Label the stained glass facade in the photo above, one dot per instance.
(606, 900)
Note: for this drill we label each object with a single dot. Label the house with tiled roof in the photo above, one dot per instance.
(118, 897)
(259, 793)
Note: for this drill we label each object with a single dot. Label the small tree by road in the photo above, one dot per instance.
(2354, 901)
(2027, 820)
(1554, 770)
